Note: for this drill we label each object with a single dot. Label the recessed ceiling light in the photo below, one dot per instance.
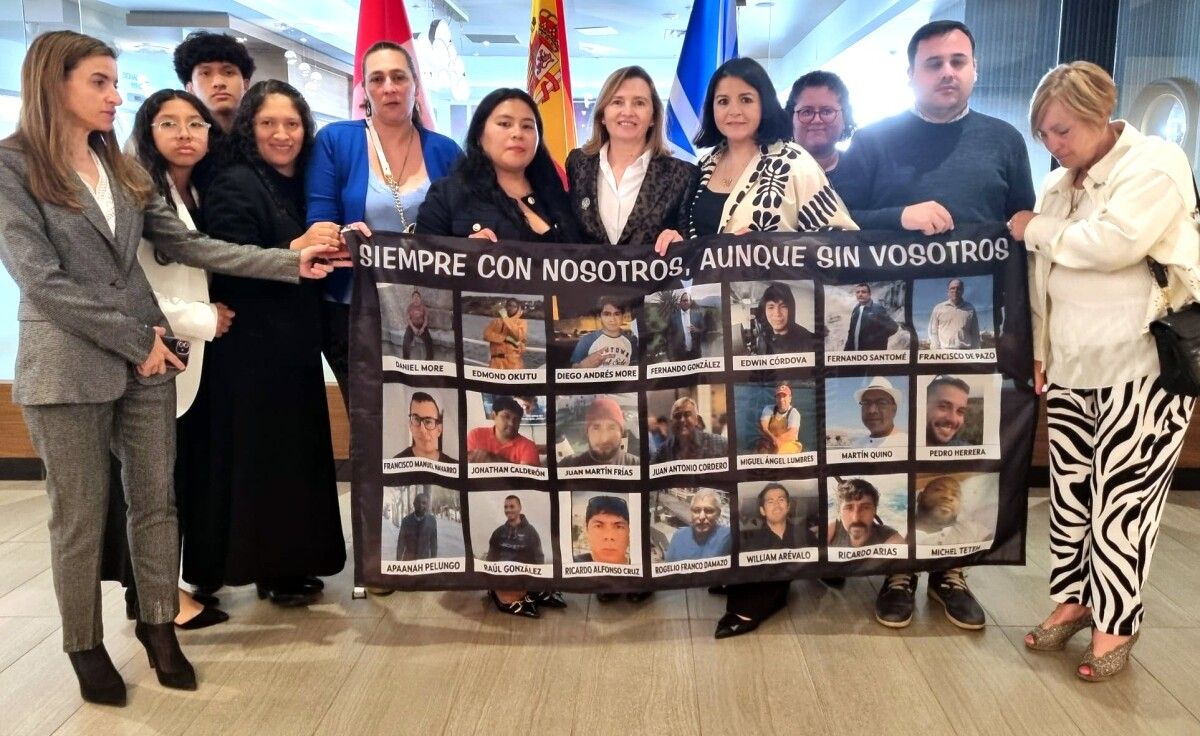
(765, 4)
(597, 30)
(303, 39)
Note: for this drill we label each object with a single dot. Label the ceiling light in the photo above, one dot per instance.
(597, 30)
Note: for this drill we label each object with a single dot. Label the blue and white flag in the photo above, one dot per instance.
(710, 41)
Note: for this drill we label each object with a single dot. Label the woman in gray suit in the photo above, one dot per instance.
(93, 371)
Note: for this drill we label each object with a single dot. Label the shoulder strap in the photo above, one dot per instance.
(1156, 268)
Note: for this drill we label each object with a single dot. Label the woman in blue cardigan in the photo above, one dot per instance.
(374, 171)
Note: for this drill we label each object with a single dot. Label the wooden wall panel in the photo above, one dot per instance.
(14, 439)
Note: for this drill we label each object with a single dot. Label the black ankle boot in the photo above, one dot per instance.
(99, 681)
(166, 658)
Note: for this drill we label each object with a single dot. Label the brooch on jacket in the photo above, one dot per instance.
(585, 203)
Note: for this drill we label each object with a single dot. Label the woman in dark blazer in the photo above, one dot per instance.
(506, 187)
(625, 186)
(92, 369)
(263, 489)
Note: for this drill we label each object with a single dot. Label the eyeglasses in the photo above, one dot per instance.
(827, 114)
(429, 423)
(876, 403)
(172, 127)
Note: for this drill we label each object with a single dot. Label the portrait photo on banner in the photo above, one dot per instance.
(697, 429)
(772, 324)
(868, 516)
(596, 436)
(420, 429)
(504, 337)
(595, 336)
(779, 521)
(418, 328)
(866, 418)
(865, 323)
(606, 533)
(954, 319)
(510, 532)
(958, 416)
(688, 525)
(683, 326)
(956, 513)
(506, 435)
(776, 423)
(421, 522)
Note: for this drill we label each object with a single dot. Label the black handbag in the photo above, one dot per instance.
(1177, 336)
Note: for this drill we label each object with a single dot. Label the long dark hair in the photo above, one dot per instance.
(774, 124)
(242, 146)
(142, 136)
(479, 173)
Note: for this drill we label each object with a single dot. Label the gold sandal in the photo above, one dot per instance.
(1108, 665)
(1054, 638)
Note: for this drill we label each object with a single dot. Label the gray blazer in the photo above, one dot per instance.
(87, 311)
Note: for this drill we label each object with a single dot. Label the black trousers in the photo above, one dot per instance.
(757, 600)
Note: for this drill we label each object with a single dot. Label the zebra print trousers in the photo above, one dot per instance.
(1112, 453)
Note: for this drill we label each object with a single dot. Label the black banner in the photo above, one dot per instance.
(755, 407)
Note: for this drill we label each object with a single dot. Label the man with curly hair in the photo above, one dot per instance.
(217, 69)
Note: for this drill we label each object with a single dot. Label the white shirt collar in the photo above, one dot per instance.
(957, 117)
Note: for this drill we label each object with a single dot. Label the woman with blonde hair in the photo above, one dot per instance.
(93, 372)
(625, 186)
(1121, 203)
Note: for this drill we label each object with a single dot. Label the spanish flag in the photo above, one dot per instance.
(549, 78)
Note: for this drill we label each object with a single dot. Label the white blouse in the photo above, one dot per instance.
(616, 199)
(102, 194)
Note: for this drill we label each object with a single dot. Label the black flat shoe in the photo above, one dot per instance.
(523, 607)
(607, 597)
(287, 597)
(313, 582)
(99, 681)
(208, 616)
(549, 599)
(732, 625)
(638, 596)
(718, 589)
(166, 658)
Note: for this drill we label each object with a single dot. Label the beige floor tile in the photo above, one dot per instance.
(1135, 703)
(20, 562)
(20, 634)
(981, 682)
(758, 683)
(637, 677)
(404, 680)
(23, 515)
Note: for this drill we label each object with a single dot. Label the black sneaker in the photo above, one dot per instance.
(896, 599)
(950, 589)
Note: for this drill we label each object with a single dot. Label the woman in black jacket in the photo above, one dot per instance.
(266, 507)
(506, 187)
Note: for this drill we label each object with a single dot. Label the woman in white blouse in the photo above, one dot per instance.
(1119, 199)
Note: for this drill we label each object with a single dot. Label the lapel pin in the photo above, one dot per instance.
(586, 202)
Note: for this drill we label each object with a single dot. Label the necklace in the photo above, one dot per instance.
(393, 183)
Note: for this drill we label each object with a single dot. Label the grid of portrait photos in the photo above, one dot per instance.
(625, 437)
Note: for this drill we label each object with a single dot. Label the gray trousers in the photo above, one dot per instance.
(74, 441)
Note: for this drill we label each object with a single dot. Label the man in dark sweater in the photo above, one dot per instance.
(927, 170)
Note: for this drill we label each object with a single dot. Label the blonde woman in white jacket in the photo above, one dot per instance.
(171, 135)
(1115, 433)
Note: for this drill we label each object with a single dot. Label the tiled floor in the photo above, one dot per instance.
(426, 663)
